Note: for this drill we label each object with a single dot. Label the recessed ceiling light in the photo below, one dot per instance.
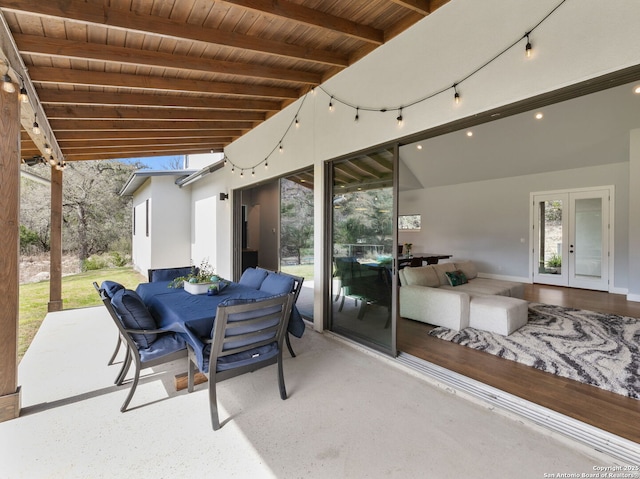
(469, 133)
(419, 147)
(636, 89)
(539, 116)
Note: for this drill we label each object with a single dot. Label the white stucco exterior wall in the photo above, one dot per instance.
(583, 39)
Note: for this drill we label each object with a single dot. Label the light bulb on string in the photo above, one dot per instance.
(242, 173)
(280, 147)
(36, 127)
(52, 161)
(233, 168)
(357, 113)
(253, 172)
(266, 163)
(528, 48)
(24, 98)
(400, 118)
(297, 122)
(47, 149)
(331, 104)
(7, 85)
(456, 95)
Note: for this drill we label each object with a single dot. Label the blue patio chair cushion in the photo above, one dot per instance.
(110, 288)
(240, 359)
(169, 274)
(253, 277)
(134, 315)
(277, 284)
(166, 343)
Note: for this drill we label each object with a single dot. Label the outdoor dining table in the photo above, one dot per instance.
(193, 315)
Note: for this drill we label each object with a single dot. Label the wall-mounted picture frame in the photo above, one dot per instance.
(409, 222)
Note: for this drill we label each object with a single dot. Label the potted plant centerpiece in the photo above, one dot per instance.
(200, 280)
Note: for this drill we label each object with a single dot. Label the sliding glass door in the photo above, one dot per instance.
(362, 245)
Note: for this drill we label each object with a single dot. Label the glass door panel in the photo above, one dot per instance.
(571, 239)
(549, 230)
(589, 240)
(362, 241)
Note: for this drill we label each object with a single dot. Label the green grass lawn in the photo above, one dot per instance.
(304, 270)
(77, 292)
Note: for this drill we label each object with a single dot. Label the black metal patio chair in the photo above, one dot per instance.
(246, 336)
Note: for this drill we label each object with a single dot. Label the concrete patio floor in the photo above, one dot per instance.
(350, 414)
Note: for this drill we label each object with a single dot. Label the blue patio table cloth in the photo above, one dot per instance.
(192, 315)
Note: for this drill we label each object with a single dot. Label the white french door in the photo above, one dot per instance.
(571, 237)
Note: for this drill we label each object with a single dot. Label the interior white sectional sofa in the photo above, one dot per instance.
(431, 294)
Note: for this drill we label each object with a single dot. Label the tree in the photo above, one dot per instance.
(35, 212)
(96, 218)
(296, 219)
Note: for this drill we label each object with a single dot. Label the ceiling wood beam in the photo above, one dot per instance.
(423, 7)
(141, 155)
(89, 125)
(55, 112)
(82, 77)
(313, 17)
(48, 96)
(70, 153)
(69, 146)
(124, 19)
(37, 45)
(118, 135)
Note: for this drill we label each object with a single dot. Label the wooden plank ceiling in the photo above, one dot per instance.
(138, 78)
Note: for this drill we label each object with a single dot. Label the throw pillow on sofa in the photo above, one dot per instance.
(456, 278)
(468, 268)
(441, 269)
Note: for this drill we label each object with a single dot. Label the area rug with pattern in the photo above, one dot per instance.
(594, 348)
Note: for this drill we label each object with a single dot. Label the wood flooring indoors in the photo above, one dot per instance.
(612, 412)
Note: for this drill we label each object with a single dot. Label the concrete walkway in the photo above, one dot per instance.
(350, 414)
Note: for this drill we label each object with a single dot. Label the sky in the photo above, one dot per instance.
(157, 162)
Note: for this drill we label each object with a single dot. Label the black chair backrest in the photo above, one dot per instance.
(248, 336)
(297, 285)
(169, 274)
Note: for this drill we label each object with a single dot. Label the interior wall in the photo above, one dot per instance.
(488, 221)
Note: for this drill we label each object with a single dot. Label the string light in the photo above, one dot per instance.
(36, 127)
(253, 172)
(24, 98)
(52, 161)
(7, 85)
(47, 149)
(400, 117)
